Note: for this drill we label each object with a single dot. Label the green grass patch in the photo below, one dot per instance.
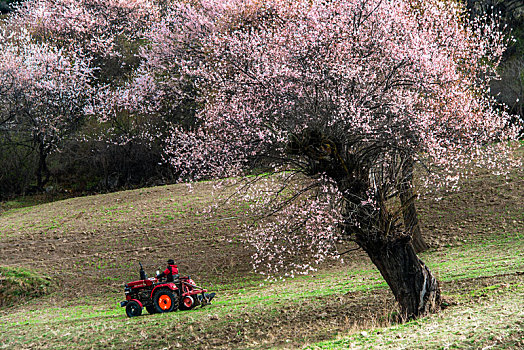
(17, 284)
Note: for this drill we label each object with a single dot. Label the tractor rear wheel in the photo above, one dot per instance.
(165, 300)
(133, 309)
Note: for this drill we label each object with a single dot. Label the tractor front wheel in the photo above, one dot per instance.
(165, 301)
(133, 309)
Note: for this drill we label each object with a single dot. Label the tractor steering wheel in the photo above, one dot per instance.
(161, 279)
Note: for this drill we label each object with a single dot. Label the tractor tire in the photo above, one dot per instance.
(165, 300)
(151, 309)
(133, 309)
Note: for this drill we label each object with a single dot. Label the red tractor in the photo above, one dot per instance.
(160, 296)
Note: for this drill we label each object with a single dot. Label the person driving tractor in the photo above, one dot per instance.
(170, 272)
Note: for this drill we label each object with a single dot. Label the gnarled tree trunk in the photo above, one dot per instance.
(371, 225)
(416, 290)
(409, 211)
(411, 222)
(389, 247)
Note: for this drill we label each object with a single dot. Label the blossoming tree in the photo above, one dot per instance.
(105, 36)
(342, 98)
(105, 31)
(43, 95)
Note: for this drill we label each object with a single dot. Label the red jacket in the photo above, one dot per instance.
(171, 270)
(169, 273)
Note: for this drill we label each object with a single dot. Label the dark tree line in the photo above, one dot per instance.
(6, 6)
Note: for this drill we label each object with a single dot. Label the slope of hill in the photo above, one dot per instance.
(88, 247)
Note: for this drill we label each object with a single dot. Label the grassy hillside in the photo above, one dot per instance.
(88, 247)
(103, 237)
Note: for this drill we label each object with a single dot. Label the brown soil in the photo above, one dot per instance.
(103, 237)
(484, 206)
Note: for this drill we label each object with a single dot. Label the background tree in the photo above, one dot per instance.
(106, 32)
(16, 171)
(507, 89)
(6, 6)
(44, 95)
(342, 97)
(110, 148)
